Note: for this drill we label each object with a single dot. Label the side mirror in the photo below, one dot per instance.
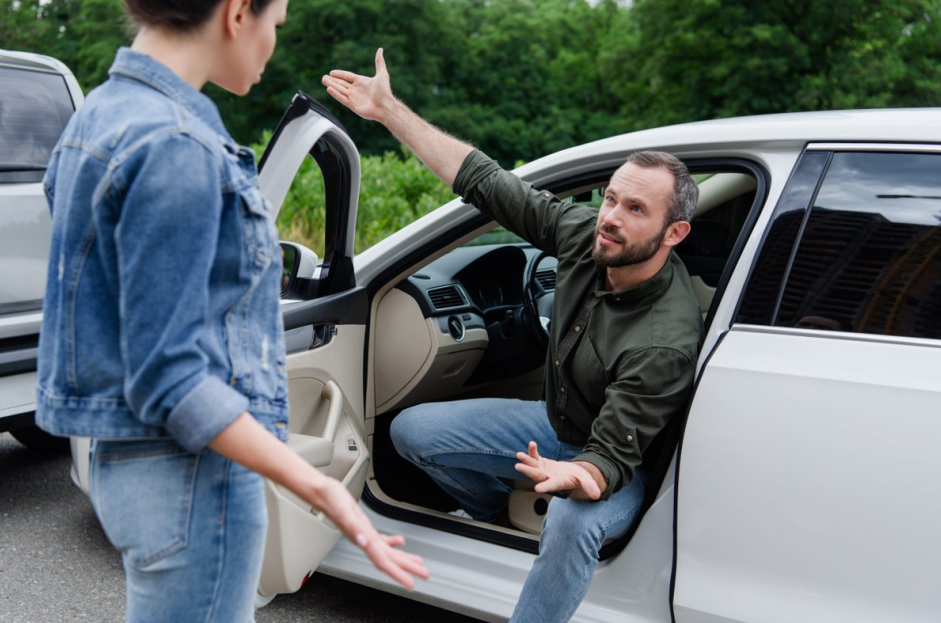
(298, 268)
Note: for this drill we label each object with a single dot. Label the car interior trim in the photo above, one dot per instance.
(344, 308)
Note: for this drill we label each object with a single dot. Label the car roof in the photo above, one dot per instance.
(895, 125)
(35, 62)
(743, 135)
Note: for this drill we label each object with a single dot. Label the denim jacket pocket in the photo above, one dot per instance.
(125, 478)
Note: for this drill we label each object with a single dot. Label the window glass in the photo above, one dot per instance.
(725, 199)
(34, 108)
(764, 286)
(302, 218)
(869, 258)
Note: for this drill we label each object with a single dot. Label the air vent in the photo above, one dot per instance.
(446, 297)
(546, 279)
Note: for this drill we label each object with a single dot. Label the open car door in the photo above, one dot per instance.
(325, 330)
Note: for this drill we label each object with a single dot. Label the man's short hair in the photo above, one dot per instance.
(685, 191)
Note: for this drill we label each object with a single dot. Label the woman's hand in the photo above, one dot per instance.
(343, 510)
(245, 441)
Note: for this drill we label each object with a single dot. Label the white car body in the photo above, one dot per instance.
(804, 484)
(46, 86)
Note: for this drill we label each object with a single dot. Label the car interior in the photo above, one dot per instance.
(468, 321)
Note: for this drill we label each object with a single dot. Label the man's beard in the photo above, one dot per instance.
(632, 254)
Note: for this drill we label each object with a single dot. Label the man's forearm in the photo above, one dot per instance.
(441, 152)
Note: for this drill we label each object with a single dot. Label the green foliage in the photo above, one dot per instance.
(83, 34)
(703, 59)
(396, 190)
(523, 78)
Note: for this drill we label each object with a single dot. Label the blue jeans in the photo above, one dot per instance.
(467, 446)
(190, 528)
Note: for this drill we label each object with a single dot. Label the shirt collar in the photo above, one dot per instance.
(146, 69)
(650, 288)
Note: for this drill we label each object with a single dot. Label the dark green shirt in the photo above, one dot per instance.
(620, 364)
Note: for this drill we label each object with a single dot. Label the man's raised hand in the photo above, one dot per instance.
(367, 97)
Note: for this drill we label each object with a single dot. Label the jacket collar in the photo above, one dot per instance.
(145, 69)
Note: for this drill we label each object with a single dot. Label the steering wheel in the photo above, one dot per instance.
(537, 303)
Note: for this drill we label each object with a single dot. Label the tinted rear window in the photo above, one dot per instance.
(34, 108)
(869, 258)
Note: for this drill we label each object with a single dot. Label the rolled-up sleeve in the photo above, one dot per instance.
(166, 241)
(652, 386)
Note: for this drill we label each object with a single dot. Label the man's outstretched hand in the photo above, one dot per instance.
(552, 475)
(367, 97)
(371, 98)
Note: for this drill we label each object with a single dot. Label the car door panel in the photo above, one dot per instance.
(789, 487)
(325, 340)
(326, 429)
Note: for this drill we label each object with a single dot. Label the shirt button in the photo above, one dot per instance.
(577, 329)
(617, 298)
(280, 368)
(562, 389)
(558, 363)
(630, 437)
(233, 382)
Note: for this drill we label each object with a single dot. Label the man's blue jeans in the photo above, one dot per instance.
(190, 528)
(467, 446)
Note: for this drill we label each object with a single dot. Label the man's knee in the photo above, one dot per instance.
(568, 521)
(408, 431)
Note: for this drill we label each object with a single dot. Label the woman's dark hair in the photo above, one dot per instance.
(178, 15)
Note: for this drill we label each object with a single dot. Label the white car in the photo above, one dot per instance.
(802, 485)
(38, 95)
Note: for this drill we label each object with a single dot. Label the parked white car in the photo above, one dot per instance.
(38, 94)
(803, 483)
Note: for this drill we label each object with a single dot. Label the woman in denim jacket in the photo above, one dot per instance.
(162, 335)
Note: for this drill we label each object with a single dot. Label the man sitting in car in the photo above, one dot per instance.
(622, 351)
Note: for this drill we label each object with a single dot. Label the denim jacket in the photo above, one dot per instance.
(161, 315)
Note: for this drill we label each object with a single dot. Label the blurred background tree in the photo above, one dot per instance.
(522, 78)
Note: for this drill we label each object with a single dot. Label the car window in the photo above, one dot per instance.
(302, 218)
(760, 301)
(868, 258)
(34, 108)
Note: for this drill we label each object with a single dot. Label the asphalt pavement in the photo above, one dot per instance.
(57, 566)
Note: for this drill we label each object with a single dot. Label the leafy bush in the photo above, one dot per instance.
(396, 189)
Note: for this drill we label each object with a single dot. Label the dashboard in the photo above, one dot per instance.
(458, 324)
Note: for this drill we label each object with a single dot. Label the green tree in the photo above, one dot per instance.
(704, 58)
(83, 34)
(321, 35)
(524, 78)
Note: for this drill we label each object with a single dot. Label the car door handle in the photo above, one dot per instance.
(308, 337)
(334, 397)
